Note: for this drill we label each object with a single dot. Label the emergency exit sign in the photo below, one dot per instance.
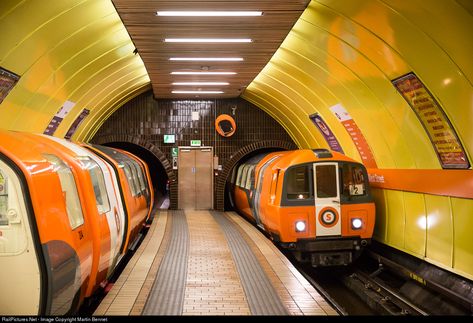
(195, 143)
(169, 139)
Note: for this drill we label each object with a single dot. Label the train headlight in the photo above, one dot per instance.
(356, 223)
(300, 226)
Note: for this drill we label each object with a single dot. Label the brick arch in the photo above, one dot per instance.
(248, 149)
(100, 140)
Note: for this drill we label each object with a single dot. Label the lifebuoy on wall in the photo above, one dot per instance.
(225, 125)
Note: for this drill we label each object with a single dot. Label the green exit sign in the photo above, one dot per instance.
(196, 142)
(169, 139)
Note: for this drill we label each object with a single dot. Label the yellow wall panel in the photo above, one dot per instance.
(416, 224)
(382, 213)
(439, 230)
(463, 239)
(396, 221)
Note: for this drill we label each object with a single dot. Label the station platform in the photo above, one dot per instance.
(209, 263)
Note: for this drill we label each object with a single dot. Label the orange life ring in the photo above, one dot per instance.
(225, 125)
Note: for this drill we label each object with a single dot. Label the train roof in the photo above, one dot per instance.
(301, 156)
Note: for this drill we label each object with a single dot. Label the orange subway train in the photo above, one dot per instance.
(68, 216)
(314, 203)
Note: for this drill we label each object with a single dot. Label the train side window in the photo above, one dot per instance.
(240, 172)
(250, 178)
(244, 174)
(129, 176)
(326, 178)
(134, 178)
(297, 183)
(69, 190)
(3, 198)
(98, 182)
(140, 175)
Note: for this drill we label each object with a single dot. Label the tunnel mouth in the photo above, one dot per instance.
(159, 177)
(228, 201)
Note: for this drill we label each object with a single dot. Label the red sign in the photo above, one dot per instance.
(356, 135)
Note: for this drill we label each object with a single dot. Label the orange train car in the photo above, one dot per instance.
(62, 223)
(315, 203)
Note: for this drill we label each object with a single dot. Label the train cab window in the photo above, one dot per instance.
(139, 175)
(69, 190)
(297, 181)
(135, 178)
(326, 181)
(98, 182)
(354, 181)
(250, 178)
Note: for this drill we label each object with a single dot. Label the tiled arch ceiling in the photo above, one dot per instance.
(148, 31)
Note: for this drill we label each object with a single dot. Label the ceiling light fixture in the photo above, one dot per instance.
(198, 92)
(207, 59)
(209, 13)
(207, 40)
(200, 83)
(203, 73)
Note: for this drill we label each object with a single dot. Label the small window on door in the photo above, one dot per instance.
(326, 180)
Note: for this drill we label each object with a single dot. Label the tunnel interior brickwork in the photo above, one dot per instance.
(145, 120)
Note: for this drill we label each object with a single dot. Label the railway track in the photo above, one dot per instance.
(382, 284)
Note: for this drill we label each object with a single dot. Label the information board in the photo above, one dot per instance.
(326, 132)
(434, 120)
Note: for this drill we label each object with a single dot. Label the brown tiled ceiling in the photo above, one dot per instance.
(148, 31)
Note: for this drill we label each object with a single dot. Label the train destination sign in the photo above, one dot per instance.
(434, 120)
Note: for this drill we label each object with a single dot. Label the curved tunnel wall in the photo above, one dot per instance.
(347, 53)
(339, 52)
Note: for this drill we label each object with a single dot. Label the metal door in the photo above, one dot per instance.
(186, 178)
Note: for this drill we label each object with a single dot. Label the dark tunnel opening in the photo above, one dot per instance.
(228, 201)
(158, 174)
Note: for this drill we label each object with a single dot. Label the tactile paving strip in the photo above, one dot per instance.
(262, 298)
(167, 294)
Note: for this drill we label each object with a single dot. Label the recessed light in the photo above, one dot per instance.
(207, 59)
(209, 13)
(200, 83)
(203, 73)
(207, 40)
(197, 92)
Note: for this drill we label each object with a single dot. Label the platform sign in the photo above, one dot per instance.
(76, 123)
(7, 81)
(326, 132)
(434, 120)
(356, 135)
(58, 117)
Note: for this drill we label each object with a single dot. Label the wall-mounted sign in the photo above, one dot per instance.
(7, 81)
(174, 151)
(225, 125)
(356, 135)
(326, 132)
(195, 143)
(58, 117)
(76, 123)
(169, 139)
(443, 136)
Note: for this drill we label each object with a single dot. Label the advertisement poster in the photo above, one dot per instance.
(326, 132)
(58, 117)
(76, 123)
(7, 82)
(444, 138)
(355, 133)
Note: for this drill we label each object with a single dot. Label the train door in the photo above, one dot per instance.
(327, 199)
(195, 178)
